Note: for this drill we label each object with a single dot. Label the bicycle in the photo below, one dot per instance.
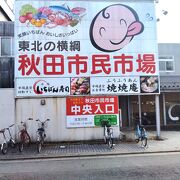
(23, 135)
(108, 133)
(11, 139)
(141, 135)
(4, 143)
(41, 135)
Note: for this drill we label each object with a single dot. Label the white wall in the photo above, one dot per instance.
(15, 111)
(7, 107)
(55, 110)
(7, 110)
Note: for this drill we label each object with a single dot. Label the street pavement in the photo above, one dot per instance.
(169, 142)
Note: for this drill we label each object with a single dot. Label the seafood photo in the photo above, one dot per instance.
(51, 16)
(80, 86)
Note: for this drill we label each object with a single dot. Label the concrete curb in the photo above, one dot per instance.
(168, 143)
(84, 155)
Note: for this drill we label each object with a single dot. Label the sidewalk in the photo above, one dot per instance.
(170, 143)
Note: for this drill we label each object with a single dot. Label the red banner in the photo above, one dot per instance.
(92, 105)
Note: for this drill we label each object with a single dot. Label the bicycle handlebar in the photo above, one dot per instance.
(2, 130)
(105, 122)
(42, 121)
(11, 125)
(28, 119)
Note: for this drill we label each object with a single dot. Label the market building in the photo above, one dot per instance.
(54, 79)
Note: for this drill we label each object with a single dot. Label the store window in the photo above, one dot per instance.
(6, 46)
(166, 63)
(6, 72)
(134, 108)
(172, 108)
(148, 110)
(147, 106)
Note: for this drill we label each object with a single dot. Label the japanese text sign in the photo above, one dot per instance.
(88, 111)
(85, 40)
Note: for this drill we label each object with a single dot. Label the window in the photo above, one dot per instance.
(6, 63)
(6, 48)
(6, 72)
(166, 63)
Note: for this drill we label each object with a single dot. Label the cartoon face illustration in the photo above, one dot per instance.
(114, 27)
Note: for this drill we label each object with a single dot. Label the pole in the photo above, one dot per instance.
(129, 115)
(164, 109)
(139, 102)
(158, 128)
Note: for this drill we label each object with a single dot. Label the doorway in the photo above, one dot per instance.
(133, 106)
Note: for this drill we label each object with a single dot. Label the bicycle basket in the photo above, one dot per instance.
(144, 133)
(110, 130)
(40, 125)
(22, 126)
(105, 123)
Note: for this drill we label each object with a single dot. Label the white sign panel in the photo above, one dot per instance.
(115, 85)
(80, 121)
(43, 87)
(83, 39)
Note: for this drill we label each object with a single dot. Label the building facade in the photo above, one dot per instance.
(129, 106)
(14, 110)
(169, 56)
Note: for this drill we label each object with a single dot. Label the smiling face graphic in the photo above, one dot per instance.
(114, 27)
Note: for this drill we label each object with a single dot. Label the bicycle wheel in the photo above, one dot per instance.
(12, 143)
(110, 142)
(21, 143)
(136, 136)
(27, 139)
(21, 146)
(105, 140)
(39, 146)
(144, 141)
(4, 148)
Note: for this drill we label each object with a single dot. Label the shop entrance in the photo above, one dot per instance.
(141, 106)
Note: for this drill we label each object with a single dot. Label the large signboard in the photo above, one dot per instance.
(88, 48)
(90, 111)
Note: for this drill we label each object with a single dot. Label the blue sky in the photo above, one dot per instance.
(168, 28)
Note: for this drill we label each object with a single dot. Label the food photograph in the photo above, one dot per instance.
(149, 84)
(80, 86)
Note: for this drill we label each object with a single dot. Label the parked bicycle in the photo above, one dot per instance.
(11, 141)
(23, 135)
(41, 135)
(141, 135)
(4, 143)
(108, 133)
